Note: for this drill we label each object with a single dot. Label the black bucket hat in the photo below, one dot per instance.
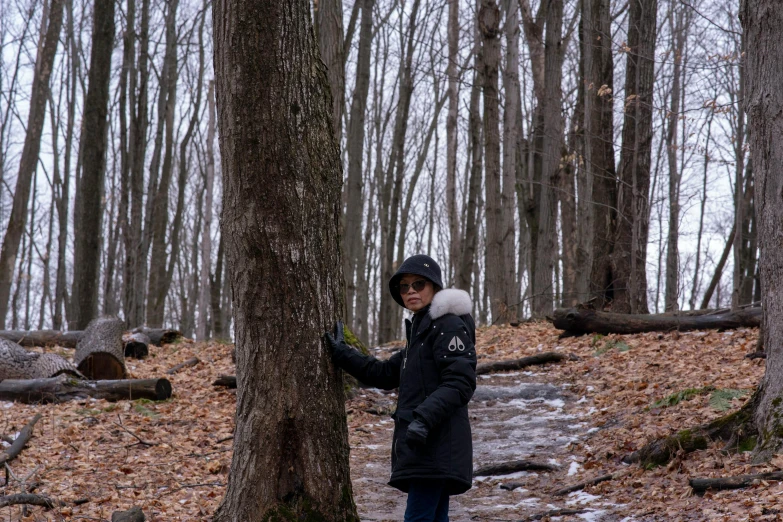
(419, 264)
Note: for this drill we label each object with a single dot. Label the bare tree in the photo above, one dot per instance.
(32, 145)
(286, 274)
(329, 20)
(455, 243)
(87, 216)
(206, 241)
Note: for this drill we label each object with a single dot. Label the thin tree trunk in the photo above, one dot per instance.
(468, 258)
(600, 174)
(545, 257)
(630, 250)
(215, 287)
(285, 161)
(511, 130)
(672, 147)
(355, 145)
(87, 219)
(392, 193)
(697, 279)
(489, 23)
(455, 241)
(29, 159)
(206, 241)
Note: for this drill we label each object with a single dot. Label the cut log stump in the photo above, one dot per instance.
(18, 363)
(100, 353)
(581, 321)
(64, 388)
(158, 336)
(136, 345)
(42, 337)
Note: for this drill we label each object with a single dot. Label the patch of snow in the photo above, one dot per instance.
(372, 447)
(7, 404)
(577, 426)
(590, 388)
(573, 469)
(582, 400)
(580, 497)
(529, 502)
(485, 376)
(556, 403)
(592, 516)
(592, 430)
(591, 410)
(553, 462)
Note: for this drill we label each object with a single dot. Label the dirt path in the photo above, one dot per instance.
(514, 416)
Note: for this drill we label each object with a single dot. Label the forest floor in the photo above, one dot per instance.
(172, 458)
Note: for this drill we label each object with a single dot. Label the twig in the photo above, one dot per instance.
(582, 485)
(24, 436)
(700, 485)
(225, 439)
(141, 441)
(516, 364)
(557, 513)
(193, 361)
(28, 498)
(507, 468)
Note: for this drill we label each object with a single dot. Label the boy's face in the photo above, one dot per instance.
(415, 299)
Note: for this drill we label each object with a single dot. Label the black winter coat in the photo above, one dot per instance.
(436, 376)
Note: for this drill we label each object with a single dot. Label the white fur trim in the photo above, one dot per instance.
(451, 301)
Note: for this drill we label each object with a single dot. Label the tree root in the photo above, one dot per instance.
(700, 485)
(506, 468)
(736, 428)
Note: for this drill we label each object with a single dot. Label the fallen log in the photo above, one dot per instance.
(159, 336)
(29, 499)
(591, 482)
(100, 353)
(20, 441)
(517, 364)
(42, 337)
(506, 468)
(134, 514)
(193, 361)
(64, 388)
(229, 381)
(556, 513)
(580, 321)
(700, 485)
(136, 345)
(18, 363)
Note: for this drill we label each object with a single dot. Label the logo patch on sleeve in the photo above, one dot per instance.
(456, 344)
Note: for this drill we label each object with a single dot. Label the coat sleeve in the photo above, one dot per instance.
(455, 357)
(369, 370)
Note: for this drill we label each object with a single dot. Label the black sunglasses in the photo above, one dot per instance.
(417, 286)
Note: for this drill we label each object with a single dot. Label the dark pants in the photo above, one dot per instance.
(427, 502)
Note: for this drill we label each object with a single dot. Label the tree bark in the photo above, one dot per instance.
(329, 20)
(87, 219)
(580, 321)
(280, 158)
(17, 363)
(761, 21)
(630, 250)
(29, 160)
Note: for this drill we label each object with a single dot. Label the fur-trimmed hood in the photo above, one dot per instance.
(451, 301)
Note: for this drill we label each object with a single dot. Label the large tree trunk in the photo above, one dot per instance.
(100, 352)
(281, 159)
(489, 23)
(18, 363)
(354, 243)
(599, 145)
(87, 219)
(29, 159)
(761, 20)
(552, 140)
(630, 249)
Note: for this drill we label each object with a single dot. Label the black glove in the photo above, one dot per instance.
(417, 433)
(336, 343)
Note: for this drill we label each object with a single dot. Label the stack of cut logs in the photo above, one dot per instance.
(98, 368)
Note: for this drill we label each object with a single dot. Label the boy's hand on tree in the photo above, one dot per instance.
(417, 433)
